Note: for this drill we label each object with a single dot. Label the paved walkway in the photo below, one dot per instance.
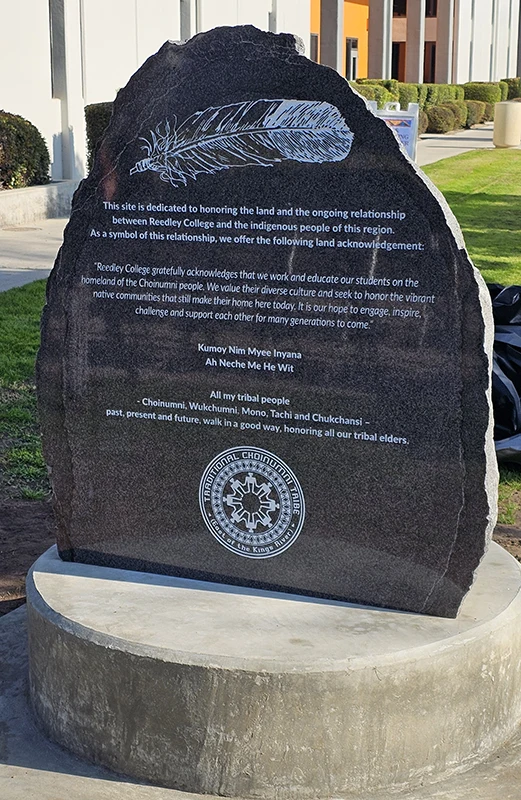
(435, 146)
(27, 253)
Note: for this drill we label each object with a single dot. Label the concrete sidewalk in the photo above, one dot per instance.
(27, 253)
(436, 146)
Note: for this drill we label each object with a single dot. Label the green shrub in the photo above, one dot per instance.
(514, 87)
(423, 122)
(476, 112)
(407, 93)
(485, 92)
(503, 85)
(431, 98)
(374, 91)
(447, 93)
(97, 117)
(441, 119)
(488, 116)
(459, 109)
(392, 86)
(422, 94)
(463, 111)
(460, 93)
(24, 157)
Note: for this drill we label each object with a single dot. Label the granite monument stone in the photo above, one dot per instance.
(264, 355)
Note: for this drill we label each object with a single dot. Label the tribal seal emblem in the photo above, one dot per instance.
(251, 502)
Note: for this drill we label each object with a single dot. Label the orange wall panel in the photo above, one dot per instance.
(356, 19)
(314, 26)
(356, 22)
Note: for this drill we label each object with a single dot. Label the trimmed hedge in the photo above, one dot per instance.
(476, 112)
(488, 116)
(441, 119)
(514, 87)
(374, 91)
(460, 94)
(24, 157)
(407, 93)
(469, 104)
(422, 95)
(438, 93)
(460, 111)
(423, 122)
(484, 92)
(97, 118)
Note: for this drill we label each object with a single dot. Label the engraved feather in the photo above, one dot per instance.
(254, 133)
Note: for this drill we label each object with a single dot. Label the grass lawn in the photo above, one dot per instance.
(483, 189)
(23, 472)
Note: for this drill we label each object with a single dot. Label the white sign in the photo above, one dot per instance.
(403, 123)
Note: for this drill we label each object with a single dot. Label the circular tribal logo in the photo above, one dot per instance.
(251, 502)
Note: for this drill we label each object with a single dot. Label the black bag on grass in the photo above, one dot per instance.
(506, 372)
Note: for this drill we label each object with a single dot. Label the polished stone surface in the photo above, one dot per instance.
(262, 359)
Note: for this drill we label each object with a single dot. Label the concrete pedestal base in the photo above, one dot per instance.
(226, 691)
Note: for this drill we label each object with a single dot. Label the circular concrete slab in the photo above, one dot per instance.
(229, 691)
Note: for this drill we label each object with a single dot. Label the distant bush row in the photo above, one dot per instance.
(428, 95)
(24, 157)
(443, 106)
(459, 114)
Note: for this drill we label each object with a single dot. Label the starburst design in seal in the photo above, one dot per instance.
(251, 502)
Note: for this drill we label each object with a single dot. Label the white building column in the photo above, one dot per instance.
(462, 36)
(66, 48)
(415, 42)
(444, 40)
(380, 38)
(515, 61)
(332, 34)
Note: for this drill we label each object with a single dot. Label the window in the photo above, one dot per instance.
(431, 8)
(429, 62)
(351, 59)
(398, 61)
(399, 8)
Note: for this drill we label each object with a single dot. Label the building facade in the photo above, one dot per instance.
(432, 41)
(77, 52)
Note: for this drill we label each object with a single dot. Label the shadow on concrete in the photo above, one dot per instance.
(23, 744)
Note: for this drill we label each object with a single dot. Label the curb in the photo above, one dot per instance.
(21, 206)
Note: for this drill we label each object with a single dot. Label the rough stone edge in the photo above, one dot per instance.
(273, 666)
(20, 206)
(492, 472)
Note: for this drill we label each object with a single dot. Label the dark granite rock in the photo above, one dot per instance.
(263, 353)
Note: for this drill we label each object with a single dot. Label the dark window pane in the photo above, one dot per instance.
(314, 47)
(399, 8)
(351, 59)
